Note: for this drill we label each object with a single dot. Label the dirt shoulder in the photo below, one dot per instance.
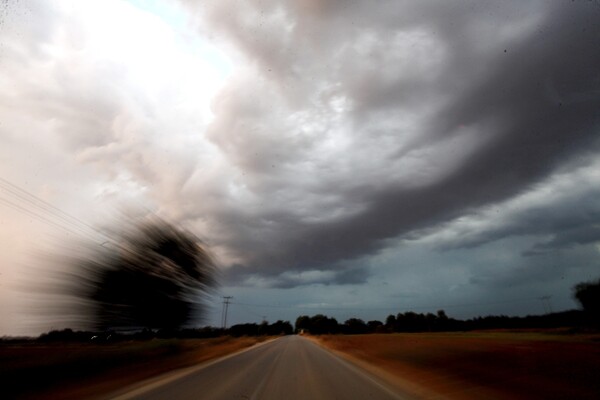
(491, 365)
(90, 371)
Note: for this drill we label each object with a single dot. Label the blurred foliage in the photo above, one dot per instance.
(154, 275)
(588, 295)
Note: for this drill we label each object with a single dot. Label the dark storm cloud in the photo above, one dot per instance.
(355, 123)
(561, 213)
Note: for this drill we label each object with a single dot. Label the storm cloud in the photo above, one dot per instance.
(356, 124)
(370, 147)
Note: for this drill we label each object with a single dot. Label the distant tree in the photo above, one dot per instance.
(411, 322)
(153, 277)
(318, 324)
(262, 329)
(588, 295)
(355, 326)
(376, 326)
(245, 330)
(442, 322)
(302, 323)
(321, 324)
(430, 322)
(390, 323)
(280, 328)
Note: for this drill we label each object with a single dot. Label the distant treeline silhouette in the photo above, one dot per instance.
(440, 322)
(250, 329)
(264, 329)
(321, 324)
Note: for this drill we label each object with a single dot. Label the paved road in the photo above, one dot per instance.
(288, 368)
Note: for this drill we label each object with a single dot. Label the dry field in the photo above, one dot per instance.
(84, 370)
(481, 365)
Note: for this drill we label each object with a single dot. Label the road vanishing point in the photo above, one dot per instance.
(288, 368)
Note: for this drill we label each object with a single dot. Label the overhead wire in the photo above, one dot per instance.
(33, 214)
(46, 212)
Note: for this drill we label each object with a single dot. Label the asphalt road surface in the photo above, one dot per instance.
(288, 368)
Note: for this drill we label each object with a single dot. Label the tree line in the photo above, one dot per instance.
(439, 322)
(248, 329)
(319, 324)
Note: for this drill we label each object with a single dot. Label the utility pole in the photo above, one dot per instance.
(546, 303)
(226, 302)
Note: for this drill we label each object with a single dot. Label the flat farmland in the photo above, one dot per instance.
(69, 371)
(491, 365)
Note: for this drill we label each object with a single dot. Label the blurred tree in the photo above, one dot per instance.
(302, 323)
(588, 295)
(153, 278)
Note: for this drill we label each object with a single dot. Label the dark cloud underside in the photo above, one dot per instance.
(503, 97)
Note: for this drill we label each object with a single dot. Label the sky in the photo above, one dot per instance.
(355, 159)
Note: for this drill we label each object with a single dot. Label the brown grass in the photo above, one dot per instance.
(490, 365)
(87, 371)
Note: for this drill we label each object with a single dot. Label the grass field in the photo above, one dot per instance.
(481, 365)
(86, 371)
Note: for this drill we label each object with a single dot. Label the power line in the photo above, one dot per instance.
(41, 204)
(45, 212)
(33, 214)
(51, 215)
